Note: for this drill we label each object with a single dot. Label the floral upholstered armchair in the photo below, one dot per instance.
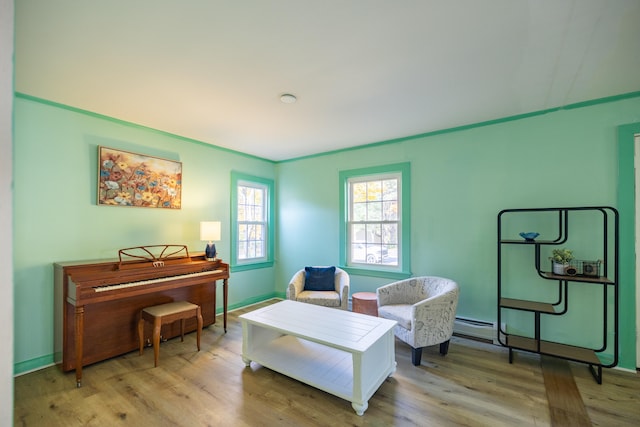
(326, 286)
(425, 309)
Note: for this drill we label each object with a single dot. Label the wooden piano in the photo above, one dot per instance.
(98, 302)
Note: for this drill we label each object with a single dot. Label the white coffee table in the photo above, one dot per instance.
(346, 354)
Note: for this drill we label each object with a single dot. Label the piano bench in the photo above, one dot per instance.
(163, 314)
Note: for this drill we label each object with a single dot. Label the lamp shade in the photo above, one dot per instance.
(210, 231)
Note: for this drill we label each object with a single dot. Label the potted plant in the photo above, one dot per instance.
(561, 259)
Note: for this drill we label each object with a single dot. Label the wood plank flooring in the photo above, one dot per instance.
(566, 407)
(474, 385)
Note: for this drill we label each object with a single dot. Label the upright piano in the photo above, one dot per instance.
(98, 302)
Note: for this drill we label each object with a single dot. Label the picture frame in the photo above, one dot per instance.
(138, 180)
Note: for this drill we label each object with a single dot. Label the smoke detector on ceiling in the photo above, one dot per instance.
(287, 98)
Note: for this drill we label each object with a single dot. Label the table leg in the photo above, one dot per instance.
(360, 408)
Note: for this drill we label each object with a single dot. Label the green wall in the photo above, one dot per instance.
(461, 179)
(57, 219)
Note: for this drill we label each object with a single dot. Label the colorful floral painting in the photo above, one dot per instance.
(129, 179)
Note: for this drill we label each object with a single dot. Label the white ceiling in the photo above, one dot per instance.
(364, 71)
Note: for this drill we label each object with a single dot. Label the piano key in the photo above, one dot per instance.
(152, 281)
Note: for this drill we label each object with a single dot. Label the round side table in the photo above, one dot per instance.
(365, 303)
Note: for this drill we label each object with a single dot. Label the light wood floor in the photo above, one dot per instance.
(474, 385)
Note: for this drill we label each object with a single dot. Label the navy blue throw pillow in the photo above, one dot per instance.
(319, 279)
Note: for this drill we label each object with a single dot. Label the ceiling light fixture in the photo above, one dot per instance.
(287, 98)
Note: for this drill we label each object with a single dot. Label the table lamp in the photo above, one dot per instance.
(210, 232)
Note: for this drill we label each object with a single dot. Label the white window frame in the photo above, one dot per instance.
(238, 262)
(377, 267)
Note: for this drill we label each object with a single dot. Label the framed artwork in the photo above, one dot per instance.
(130, 179)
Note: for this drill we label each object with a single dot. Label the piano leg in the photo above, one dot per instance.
(140, 332)
(79, 343)
(199, 318)
(225, 292)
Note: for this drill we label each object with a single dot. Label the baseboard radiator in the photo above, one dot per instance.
(486, 331)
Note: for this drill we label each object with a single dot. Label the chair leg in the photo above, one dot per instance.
(141, 333)
(157, 326)
(416, 356)
(444, 347)
(199, 329)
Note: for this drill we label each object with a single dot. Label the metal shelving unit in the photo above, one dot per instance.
(608, 280)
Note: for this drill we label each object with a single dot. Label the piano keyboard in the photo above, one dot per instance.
(159, 280)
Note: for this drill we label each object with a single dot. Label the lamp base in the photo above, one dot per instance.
(210, 252)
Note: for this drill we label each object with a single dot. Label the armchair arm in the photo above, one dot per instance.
(296, 285)
(436, 315)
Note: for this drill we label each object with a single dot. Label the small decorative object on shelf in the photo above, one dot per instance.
(590, 268)
(578, 267)
(561, 259)
(529, 236)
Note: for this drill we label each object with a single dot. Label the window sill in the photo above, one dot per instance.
(252, 266)
(373, 272)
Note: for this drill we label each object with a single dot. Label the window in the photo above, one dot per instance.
(375, 226)
(252, 215)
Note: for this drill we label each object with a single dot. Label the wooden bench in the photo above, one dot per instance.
(163, 314)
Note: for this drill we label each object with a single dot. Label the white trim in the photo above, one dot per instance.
(263, 222)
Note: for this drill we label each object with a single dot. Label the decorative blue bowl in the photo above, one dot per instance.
(529, 236)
